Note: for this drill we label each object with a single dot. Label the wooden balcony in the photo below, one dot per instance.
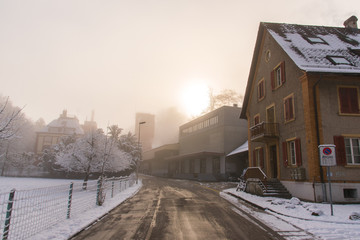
(264, 132)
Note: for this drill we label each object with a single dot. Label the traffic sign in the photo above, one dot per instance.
(327, 155)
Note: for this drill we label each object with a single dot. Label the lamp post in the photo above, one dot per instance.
(138, 162)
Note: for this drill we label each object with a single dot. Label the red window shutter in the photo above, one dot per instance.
(261, 157)
(340, 150)
(344, 103)
(284, 152)
(254, 159)
(349, 100)
(353, 100)
(291, 108)
(272, 77)
(282, 66)
(298, 152)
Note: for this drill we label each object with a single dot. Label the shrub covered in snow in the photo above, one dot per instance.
(354, 216)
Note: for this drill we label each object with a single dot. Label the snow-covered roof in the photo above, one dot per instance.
(64, 124)
(242, 148)
(319, 48)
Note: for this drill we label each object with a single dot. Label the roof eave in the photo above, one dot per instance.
(252, 70)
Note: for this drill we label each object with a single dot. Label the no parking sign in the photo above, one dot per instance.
(327, 155)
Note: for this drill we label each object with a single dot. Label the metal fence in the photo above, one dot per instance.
(28, 212)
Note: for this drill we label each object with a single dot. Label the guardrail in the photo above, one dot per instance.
(27, 212)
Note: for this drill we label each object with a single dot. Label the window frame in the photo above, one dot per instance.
(261, 89)
(289, 115)
(352, 156)
(256, 116)
(292, 158)
(341, 104)
(278, 76)
(333, 60)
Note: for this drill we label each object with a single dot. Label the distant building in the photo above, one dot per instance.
(203, 149)
(50, 135)
(91, 125)
(147, 130)
(303, 91)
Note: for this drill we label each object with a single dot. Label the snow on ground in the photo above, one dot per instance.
(71, 226)
(8, 183)
(299, 214)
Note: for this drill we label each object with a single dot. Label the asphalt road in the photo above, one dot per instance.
(176, 209)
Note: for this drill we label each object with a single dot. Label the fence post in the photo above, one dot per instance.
(8, 214)
(69, 200)
(98, 192)
(112, 189)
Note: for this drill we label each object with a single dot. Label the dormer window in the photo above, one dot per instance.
(355, 51)
(338, 60)
(315, 40)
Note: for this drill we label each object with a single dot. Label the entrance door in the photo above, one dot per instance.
(273, 161)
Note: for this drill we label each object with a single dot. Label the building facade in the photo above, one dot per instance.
(204, 144)
(302, 92)
(50, 135)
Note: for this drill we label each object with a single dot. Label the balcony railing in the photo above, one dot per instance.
(264, 131)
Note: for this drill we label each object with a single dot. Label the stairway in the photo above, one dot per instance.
(274, 188)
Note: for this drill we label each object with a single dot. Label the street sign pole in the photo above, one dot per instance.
(328, 159)
(331, 203)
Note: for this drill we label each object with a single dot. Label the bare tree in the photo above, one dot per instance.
(226, 97)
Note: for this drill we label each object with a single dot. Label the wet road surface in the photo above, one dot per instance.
(176, 209)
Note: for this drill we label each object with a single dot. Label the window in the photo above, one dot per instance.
(203, 166)
(338, 60)
(315, 40)
(258, 158)
(350, 193)
(347, 150)
(352, 150)
(261, 89)
(216, 165)
(292, 152)
(348, 100)
(256, 119)
(289, 112)
(278, 76)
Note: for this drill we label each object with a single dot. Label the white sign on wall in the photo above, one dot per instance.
(327, 155)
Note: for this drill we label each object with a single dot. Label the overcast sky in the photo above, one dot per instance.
(120, 57)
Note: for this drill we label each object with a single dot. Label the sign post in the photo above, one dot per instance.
(328, 159)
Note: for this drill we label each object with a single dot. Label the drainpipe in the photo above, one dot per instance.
(318, 137)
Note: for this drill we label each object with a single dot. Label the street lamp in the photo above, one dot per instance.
(138, 162)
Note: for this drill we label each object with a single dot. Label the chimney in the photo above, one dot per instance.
(351, 22)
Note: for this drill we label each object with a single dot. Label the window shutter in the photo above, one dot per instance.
(261, 157)
(282, 66)
(354, 100)
(291, 108)
(344, 103)
(284, 152)
(340, 150)
(287, 110)
(254, 159)
(272, 77)
(298, 152)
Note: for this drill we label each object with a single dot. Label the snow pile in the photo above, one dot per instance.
(314, 218)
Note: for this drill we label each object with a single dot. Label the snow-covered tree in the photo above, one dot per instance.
(94, 152)
(17, 137)
(129, 144)
(9, 117)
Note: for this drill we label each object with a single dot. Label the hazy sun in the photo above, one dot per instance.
(195, 98)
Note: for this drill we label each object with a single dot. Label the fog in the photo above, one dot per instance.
(122, 57)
